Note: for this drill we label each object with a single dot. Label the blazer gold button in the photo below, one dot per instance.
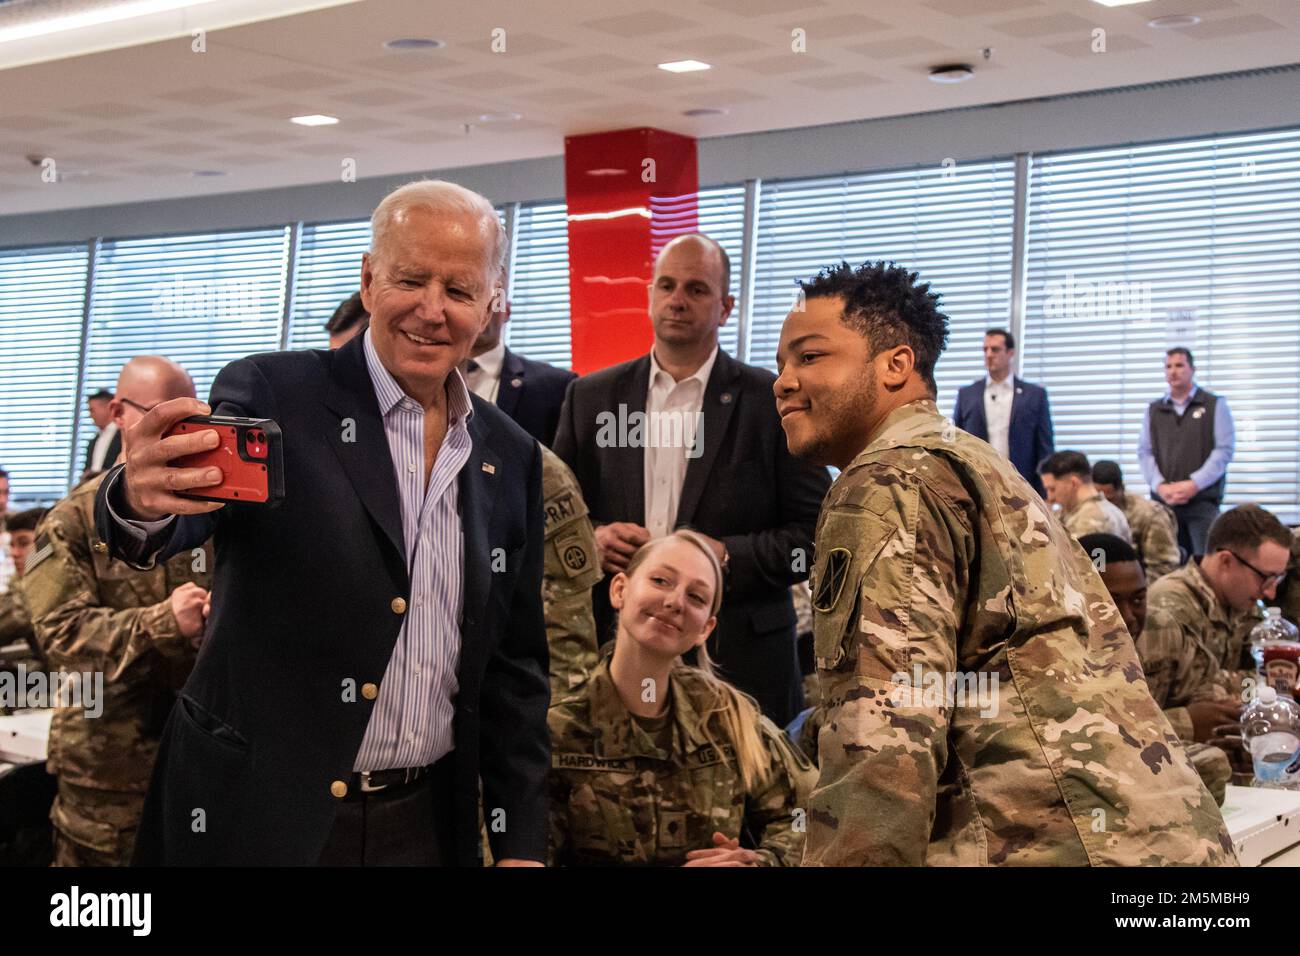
(339, 788)
(399, 605)
(370, 691)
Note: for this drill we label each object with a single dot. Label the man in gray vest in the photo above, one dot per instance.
(1185, 448)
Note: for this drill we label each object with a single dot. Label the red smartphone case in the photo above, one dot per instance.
(250, 457)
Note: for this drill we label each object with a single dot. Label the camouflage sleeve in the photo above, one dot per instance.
(73, 630)
(896, 617)
(570, 569)
(1087, 521)
(779, 804)
(1159, 544)
(1164, 653)
(15, 624)
(1212, 766)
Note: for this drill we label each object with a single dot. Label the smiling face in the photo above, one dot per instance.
(428, 289)
(666, 604)
(826, 392)
(1241, 585)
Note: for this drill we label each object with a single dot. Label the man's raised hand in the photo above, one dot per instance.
(151, 483)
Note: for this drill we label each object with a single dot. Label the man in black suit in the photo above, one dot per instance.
(1009, 413)
(376, 644)
(529, 392)
(103, 449)
(709, 453)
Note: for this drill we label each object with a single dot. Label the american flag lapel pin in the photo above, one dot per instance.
(489, 468)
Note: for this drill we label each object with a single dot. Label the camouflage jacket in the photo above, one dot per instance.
(95, 614)
(1096, 515)
(984, 701)
(15, 622)
(617, 798)
(1192, 647)
(570, 569)
(1155, 535)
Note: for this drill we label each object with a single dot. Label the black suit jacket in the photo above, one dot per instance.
(110, 456)
(302, 608)
(531, 393)
(745, 489)
(1029, 437)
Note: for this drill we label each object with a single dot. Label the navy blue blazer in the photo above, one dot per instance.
(532, 394)
(302, 603)
(1029, 438)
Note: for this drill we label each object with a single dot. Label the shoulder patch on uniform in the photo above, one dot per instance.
(831, 582)
(559, 509)
(41, 550)
(573, 555)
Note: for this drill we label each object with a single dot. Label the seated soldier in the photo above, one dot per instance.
(1153, 525)
(1117, 563)
(1193, 648)
(1067, 478)
(655, 762)
(17, 639)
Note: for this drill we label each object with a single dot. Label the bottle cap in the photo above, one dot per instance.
(1267, 695)
(1272, 612)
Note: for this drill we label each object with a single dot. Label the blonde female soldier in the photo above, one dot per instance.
(658, 763)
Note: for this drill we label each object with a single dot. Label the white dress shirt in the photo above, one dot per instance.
(485, 380)
(997, 412)
(102, 441)
(665, 468)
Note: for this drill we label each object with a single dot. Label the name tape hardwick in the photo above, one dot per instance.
(75, 909)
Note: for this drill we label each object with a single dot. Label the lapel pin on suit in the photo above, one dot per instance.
(516, 382)
(490, 469)
(725, 398)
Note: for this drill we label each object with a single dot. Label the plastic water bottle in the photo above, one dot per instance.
(1270, 731)
(1275, 645)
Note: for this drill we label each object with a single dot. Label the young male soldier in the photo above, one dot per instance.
(1154, 527)
(936, 561)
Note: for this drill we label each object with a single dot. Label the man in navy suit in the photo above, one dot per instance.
(1009, 413)
(375, 646)
(529, 392)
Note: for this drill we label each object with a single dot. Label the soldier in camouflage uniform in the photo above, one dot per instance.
(1194, 648)
(1154, 527)
(15, 622)
(1121, 571)
(680, 786)
(938, 567)
(1067, 479)
(570, 569)
(138, 629)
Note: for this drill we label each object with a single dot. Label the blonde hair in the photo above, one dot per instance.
(439, 196)
(736, 711)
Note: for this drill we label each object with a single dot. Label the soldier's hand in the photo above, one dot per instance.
(724, 852)
(151, 483)
(617, 542)
(1209, 714)
(187, 605)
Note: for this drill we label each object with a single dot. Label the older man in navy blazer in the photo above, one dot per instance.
(375, 646)
(1009, 413)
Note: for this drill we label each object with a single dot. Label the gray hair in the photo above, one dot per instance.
(439, 196)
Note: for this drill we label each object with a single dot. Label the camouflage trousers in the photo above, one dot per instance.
(94, 827)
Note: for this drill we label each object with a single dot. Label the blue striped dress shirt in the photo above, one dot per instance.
(411, 724)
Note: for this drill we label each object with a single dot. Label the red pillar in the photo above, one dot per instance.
(628, 192)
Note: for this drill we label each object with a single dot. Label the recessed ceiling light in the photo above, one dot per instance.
(208, 173)
(1175, 20)
(704, 111)
(314, 119)
(684, 66)
(951, 73)
(506, 117)
(414, 43)
(1119, 3)
(606, 171)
